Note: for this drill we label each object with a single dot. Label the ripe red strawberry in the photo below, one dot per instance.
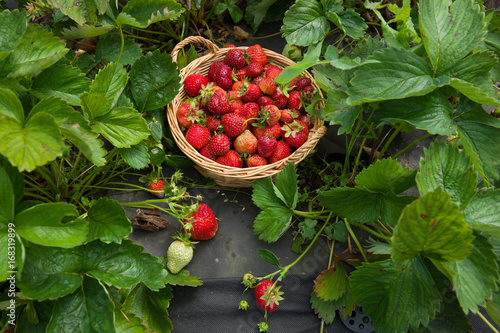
(264, 100)
(246, 142)
(279, 98)
(203, 224)
(239, 87)
(197, 136)
(219, 144)
(267, 86)
(250, 111)
(219, 103)
(256, 53)
(257, 80)
(235, 58)
(266, 145)
(193, 83)
(188, 113)
(288, 116)
(308, 120)
(307, 94)
(273, 71)
(223, 77)
(235, 102)
(293, 82)
(273, 131)
(213, 124)
(256, 160)
(227, 46)
(233, 124)
(281, 152)
(214, 68)
(301, 83)
(270, 114)
(156, 188)
(249, 92)
(204, 152)
(240, 74)
(254, 69)
(295, 101)
(295, 134)
(266, 296)
(230, 159)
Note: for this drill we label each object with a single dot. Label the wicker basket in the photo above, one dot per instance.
(224, 175)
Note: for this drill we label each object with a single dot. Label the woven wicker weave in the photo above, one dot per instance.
(224, 175)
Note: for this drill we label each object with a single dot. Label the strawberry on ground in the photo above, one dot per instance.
(267, 295)
(193, 83)
(256, 160)
(197, 136)
(202, 224)
(156, 188)
(230, 159)
(219, 144)
(179, 255)
(281, 152)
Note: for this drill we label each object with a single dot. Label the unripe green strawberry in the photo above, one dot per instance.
(179, 254)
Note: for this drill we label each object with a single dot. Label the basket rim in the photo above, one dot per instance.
(212, 167)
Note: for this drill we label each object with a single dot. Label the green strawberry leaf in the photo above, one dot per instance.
(472, 77)
(364, 206)
(151, 307)
(311, 58)
(74, 127)
(272, 222)
(50, 272)
(399, 74)
(87, 309)
(122, 126)
(7, 199)
(433, 227)
(109, 45)
(258, 11)
(450, 31)
(36, 50)
(286, 186)
(136, 156)
(42, 224)
(10, 105)
(154, 80)
(444, 166)
(386, 175)
(478, 132)
(475, 277)
(269, 257)
(431, 112)
(182, 278)
(332, 283)
(108, 221)
(85, 31)
(128, 323)
(264, 195)
(305, 23)
(111, 80)
(30, 145)
(123, 265)
(349, 21)
(15, 177)
(483, 212)
(339, 113)
(396, 297)
(326, 309)
(406, 30)
(14, 24)
(62, 81)
(81, 11)
(142, 13)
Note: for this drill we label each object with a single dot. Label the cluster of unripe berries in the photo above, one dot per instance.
(238, 116)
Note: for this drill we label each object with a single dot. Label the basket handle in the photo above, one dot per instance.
(194, 39)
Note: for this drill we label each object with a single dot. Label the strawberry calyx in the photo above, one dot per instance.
(292, 129)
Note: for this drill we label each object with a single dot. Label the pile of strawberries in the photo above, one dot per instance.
(238, 116)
